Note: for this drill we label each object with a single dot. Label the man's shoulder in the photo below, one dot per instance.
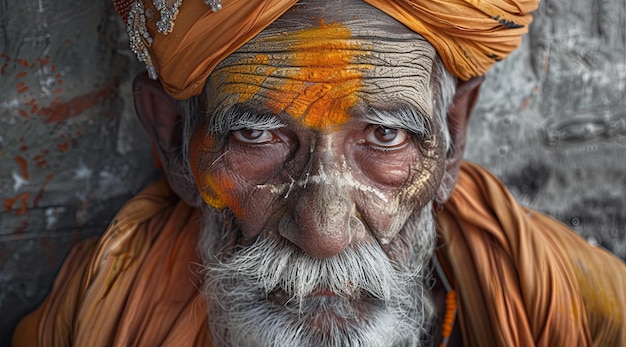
(142, 264)
(504, 255)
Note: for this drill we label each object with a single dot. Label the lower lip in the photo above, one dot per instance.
(280, 297)
(325, 318)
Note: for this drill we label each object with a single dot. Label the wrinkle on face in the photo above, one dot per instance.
(198, 154)
(340, 179)
(318, 81)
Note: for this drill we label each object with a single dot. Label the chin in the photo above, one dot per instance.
(318, 321)
(272, 294)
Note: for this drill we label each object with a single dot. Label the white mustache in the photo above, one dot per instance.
(276, 264)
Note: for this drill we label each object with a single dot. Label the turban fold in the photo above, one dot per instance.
(469, 35)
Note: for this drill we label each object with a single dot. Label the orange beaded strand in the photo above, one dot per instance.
(449, 317)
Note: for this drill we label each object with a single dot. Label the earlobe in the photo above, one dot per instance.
(159, 115)
(458, 120)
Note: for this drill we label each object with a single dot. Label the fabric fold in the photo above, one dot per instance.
(522, 276)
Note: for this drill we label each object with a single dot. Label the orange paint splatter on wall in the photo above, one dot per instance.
(22, 88)
(63, 147)
(23, 114)
(42, 189)
(23, 165)
(9, 204)
(59, 111)
(42, 163)
(44, 61)
(40, 159)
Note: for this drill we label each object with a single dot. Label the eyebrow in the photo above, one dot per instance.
(237, 117)
(403, 117)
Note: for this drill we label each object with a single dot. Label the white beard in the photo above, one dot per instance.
(268, 294)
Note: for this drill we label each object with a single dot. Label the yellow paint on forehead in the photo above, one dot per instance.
(317, 84)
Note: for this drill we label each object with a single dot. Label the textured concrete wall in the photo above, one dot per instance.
(550, 122)
(71, 149)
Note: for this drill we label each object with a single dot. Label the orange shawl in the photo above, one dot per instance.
(523, 278)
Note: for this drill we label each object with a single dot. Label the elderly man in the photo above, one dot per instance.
(310, 197)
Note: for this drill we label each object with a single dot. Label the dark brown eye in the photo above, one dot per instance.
(382, 136)
(253, 136)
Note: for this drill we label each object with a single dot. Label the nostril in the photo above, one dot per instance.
(357, 228)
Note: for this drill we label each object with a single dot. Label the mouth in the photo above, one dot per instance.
(325, 310)
(282, 298)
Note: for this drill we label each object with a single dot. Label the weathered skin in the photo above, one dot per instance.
(326, 171)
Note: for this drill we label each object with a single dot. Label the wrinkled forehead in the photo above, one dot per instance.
(360, 17)
(324, 58)
(322, 21)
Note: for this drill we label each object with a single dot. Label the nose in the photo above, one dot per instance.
(320, 223)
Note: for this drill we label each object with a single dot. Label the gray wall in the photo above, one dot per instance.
(71, 149)
(551, 123)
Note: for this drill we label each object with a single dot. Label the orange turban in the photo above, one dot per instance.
(469, 35)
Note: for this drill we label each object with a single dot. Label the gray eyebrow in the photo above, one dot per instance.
(237, 117)
(403, 117)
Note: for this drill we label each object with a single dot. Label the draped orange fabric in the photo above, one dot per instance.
(135, 286)
(469, 35)
(522, 279)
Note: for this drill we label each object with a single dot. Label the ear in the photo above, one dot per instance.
(458, 120)
(160, 116)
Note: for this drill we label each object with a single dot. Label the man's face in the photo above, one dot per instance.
(320, 140)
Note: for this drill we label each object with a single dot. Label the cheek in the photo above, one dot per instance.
(253, 165)
(211, 188)
(409, 181)
(230, 177)
(387, 169)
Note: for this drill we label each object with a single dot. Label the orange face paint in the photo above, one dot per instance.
(216, 191)
(197, 148)
(316, 81)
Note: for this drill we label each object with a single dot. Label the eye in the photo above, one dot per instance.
(253, 136)
(382, 136)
